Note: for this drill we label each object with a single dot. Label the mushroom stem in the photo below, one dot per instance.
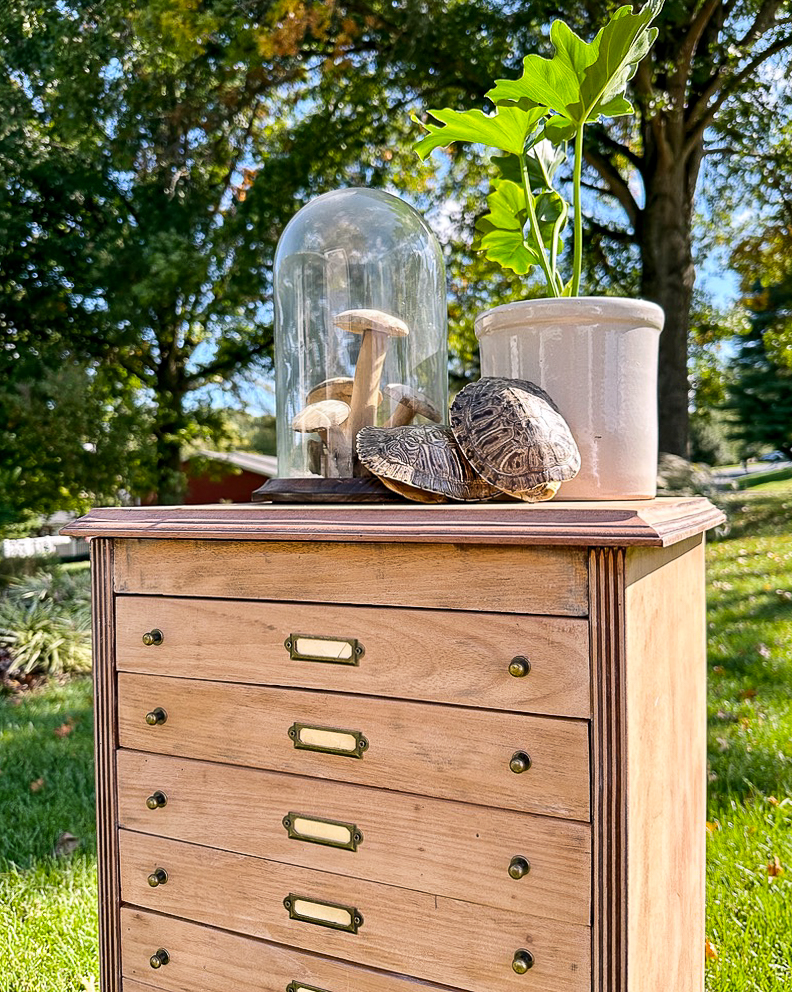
(365, 391)
(403, 414)
(338, 463)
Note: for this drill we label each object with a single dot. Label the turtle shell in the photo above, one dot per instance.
(514, 436)
(421, 457)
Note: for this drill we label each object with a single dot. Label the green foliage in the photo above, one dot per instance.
(761, 394)
(536, 115)
(45, 623)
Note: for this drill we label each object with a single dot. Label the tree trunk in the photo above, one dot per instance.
(169, 423)
(665, 237)
(667, 278)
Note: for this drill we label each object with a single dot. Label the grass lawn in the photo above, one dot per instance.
(47, 901)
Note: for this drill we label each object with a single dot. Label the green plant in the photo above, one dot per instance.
(535, 118)
(45, 623)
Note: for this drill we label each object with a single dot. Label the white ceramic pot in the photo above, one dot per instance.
(597, 358)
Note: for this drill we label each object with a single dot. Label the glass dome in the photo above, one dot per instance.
(360, 328)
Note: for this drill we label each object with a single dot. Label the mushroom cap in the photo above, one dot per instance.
(359, 321)
(423, 406)
(321, 416)
(514, 436)
(423, 456)
(338, 388)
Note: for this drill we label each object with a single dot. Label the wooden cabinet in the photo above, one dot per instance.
(401, 749)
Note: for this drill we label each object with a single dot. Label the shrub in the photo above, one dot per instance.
(45, 624)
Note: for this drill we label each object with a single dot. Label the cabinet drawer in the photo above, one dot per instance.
(552, 581)
(445, 656)
(203, 959)
(441, 847)
(422, 748)
(411, 933)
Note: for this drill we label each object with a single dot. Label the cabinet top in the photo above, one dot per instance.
(649, 523)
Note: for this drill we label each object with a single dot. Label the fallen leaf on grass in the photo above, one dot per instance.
(748, 693)
(712, 827)
(710, 951)
(775, 868)
(37, 786)
(773, 801)
(65, 728)
(67, 844)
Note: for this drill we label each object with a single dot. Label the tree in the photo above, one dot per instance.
(171, 141)
(761, 394)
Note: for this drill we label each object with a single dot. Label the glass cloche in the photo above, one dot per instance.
(360, 330)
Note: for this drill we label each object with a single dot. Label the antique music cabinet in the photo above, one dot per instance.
(401, 748)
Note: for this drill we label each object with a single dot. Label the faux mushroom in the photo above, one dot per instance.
(376, 326)
(338, 388)
(327, 419)
(409, 404)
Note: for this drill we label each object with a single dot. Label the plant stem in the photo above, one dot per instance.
(529, 200)
(577, 262)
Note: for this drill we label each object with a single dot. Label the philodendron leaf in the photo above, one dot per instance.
(542, 160)
(583, 82)
(507, 129)
(507, 239)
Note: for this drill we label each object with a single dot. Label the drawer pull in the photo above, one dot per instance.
(158, 877)
(323, 914)
(328, 740)
(299, 987)
(523, 961)
(519, 666)
(157, 800)
(160, 958)
(520, 762)
(157, 716)
(315, 830)
(519, 867)
(153, 638)
(332, 650)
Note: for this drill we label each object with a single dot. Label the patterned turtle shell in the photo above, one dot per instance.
(422, 462)
(514, 436)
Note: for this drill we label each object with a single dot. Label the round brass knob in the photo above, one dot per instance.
(156, 716)
(520, 762)
(154, 637)
(160, 958)
(523, 961)
(519, 666)
(156, 800)
(158, 877)
(519, 867)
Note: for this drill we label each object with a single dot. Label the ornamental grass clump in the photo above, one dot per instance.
(45, 624)
(536, 117)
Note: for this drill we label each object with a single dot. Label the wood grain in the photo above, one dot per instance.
(420, 748)
(652, 523)
(204, 959)
(410, 933)
(105, 740)
(435, 655)
(666, 748)
(508, 580)
(609, 777)
(431, 845)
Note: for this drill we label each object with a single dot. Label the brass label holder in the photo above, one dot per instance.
(318, 830)
(323, 914)
(328, 740)
(330, 650)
